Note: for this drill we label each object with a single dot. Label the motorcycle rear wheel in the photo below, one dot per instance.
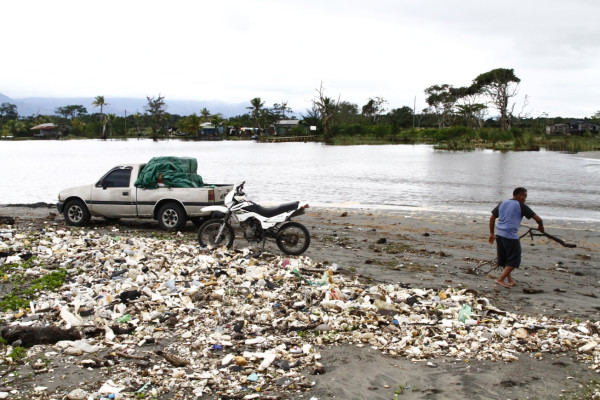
(207, 234)
(293, 238)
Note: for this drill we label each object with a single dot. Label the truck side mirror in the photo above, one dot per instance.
(104, 184)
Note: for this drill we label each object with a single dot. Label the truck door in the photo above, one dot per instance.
(112, 195)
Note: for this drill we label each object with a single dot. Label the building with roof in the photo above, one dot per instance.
(284, 126)
(576, 127)
(46, 130)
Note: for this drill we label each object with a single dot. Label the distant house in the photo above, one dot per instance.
(248, 131)
(46, 130)
(576, 127)
(283, 127)
(207, 130)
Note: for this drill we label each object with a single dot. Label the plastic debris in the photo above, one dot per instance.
(228, 323)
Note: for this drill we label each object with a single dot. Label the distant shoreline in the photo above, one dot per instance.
(589, 154)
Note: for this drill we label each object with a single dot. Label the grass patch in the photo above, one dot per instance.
(13, 302)
(18, 354)
(24, 291)
(52, 281)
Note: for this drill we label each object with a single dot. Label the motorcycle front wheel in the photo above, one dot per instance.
(207, 234)
(293, 238)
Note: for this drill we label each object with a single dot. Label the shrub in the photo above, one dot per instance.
(451, 133)
(297, 131)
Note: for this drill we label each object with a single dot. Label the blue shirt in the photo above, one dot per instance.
(509, 214)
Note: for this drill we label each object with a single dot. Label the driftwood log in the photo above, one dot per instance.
(30, 336)
(7, 220)
(531, 233)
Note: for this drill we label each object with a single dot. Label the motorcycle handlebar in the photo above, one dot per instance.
(240, 189)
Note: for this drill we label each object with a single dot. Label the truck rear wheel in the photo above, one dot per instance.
(171, 217)
(76, 213)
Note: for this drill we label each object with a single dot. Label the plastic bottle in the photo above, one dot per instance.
(502, 331)
(464, 313)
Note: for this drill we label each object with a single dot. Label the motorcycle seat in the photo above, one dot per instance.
(272, 211)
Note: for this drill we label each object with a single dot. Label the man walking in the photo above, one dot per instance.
(509, 214)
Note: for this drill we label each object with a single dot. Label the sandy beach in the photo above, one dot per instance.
(432, 250)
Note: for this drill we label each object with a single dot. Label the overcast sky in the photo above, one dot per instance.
(282, 50)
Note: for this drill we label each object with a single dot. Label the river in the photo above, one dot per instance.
(393, 177)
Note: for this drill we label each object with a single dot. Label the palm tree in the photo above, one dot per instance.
(205, 113)
(99, 102)
(327, 108)
(110, 119)
(256, 107)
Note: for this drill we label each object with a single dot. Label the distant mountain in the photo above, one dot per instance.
(47, 105)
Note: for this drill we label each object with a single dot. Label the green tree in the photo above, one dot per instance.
(500, 84)
(8, 111)
(100, 102)
(400, 118)
(190, 124)
(469, 106)
(312, 117)
(280, 110)
(327, 108)
(256, 110)
(441, 100)
(78, 127)
(374, 107)
(110, 121)
(205, 113)
(347, 113)
(217, 120)
(156, 109)
(15, 128)
(71, 111)
(240, 121)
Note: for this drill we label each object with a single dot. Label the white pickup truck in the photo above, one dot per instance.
(115, 196)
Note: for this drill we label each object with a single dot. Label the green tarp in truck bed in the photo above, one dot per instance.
(173, 171)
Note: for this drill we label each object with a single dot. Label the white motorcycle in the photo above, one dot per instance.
(257, 223)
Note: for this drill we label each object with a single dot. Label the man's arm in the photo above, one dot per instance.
(539, 222)
(492, 226)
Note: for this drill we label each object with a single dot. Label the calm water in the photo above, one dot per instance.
(560, 186)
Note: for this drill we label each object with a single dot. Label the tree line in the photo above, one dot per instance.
(462, 108)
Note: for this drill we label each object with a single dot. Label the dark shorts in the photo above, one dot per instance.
(509, 252)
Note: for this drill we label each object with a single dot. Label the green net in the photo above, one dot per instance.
(171, 171)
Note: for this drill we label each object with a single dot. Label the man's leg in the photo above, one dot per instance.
(505, 274)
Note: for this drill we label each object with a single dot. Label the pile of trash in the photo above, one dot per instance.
(179, 318)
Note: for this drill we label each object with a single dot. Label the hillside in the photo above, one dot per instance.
(121, 106)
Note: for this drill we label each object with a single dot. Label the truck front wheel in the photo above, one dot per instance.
(171, 217)
(76, 213)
